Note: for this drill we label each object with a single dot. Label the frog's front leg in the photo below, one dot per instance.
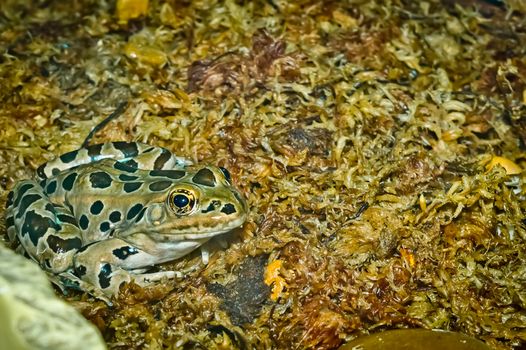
(108, 264)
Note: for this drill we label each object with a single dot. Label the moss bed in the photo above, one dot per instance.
(380, 146)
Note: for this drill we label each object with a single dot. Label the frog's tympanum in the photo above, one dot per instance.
(103, 215)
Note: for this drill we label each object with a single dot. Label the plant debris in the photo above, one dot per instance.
(380, 145)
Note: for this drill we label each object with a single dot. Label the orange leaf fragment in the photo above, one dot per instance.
(408, 257)
(272, 277)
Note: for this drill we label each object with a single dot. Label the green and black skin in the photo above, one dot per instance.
(43, 224)
(93, 216)
(52, 234)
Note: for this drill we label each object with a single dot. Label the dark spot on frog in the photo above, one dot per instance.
(36, 226)
(50, 208)
(96, 207)
(100, 179)
(104, 226)
(9, 221)
(131, 163)
(140, 216)
(51, 187)
(105, 276)
(130, 187)
(134, 211)
(70, 207)
(162, 159)
(159, 186)
(9, 201)
(124, 167)
(59, 245)
(26, 202)
(67, 219)
(172, 174)
(55, 171)
(21, 192)
(128, 149)
(212, 206)
(226, 173)
(68, 157)
(84, 248)
(40, 171)
(83, 222)
(205, 177)
(228, 209)
(115, 216)
(124, 177)
(56, 206)
(68, 181)
(94, 151)
(80, 270)
(124, 252)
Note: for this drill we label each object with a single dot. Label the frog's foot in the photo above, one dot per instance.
(145, 279)
(67, 280)
(148, 278)
(119, 277)
(108, 264)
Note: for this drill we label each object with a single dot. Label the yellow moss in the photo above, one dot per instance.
(511, 167)
(130, 9)
(344, 20)
(145, 54)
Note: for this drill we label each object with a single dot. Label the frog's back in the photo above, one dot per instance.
(134, 154)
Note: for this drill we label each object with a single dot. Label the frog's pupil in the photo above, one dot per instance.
(180, 200)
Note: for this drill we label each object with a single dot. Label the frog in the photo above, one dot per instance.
(106, 214)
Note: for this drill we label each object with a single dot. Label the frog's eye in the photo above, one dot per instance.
(182, 201)
(226, 173)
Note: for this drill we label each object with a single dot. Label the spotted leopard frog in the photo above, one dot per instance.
(102, 215)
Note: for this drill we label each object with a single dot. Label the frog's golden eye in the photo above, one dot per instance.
(182, 201)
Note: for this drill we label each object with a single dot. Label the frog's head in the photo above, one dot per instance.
(200, 205)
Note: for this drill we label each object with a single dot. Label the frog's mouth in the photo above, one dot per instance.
(202, 231)
(192, 230)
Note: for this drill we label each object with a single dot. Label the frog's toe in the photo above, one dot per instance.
(145, 279)
(68, 280)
